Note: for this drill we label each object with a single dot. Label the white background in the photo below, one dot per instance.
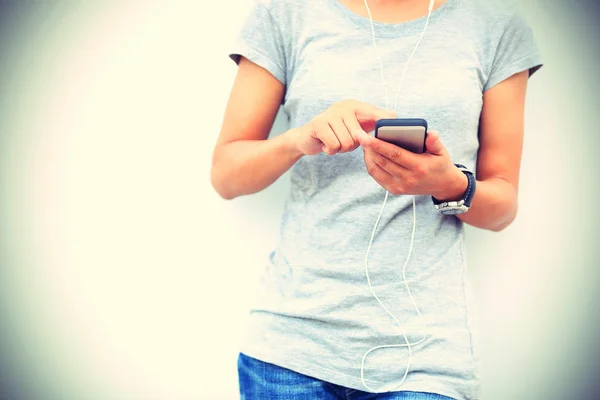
(127, 277)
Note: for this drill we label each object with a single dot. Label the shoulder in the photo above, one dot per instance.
(494, 9)
(490, 22)
(291, 17)
(494, 16)
(293, 13)
(283, 8)
(488, 16)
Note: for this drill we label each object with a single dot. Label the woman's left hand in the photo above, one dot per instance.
(401, 171)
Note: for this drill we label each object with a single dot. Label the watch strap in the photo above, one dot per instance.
(461, 205)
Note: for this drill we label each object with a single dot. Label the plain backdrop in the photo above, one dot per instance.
(124, 276)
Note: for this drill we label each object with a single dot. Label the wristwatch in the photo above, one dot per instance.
(458, 206)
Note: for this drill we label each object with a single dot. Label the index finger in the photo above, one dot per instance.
(367, 115)
(366, 110)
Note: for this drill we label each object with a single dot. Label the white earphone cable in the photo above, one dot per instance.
(407, 343)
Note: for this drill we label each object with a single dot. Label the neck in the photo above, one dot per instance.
(402, 2)
(391, 11)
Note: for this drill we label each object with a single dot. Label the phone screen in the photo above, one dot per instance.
(411, 138)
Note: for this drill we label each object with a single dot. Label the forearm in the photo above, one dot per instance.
(248, 166)
(494, 205)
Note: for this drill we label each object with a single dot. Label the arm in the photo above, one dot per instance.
(244, 161)
(494, 206)
(495, 202)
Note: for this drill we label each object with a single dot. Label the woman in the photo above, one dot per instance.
(346, 311)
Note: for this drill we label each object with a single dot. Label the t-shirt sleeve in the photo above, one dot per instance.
(516, 52)
(260, 41)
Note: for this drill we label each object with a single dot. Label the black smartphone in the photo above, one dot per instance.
(408, 133)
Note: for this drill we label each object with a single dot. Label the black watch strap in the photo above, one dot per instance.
(460, 205)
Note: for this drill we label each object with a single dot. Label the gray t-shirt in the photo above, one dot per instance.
(315, 313)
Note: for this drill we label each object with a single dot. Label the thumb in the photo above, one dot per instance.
(433, 143)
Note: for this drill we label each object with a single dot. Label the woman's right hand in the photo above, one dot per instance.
(333, 131)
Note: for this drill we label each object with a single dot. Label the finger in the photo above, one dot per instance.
(323, 132)
(379, 174)
(353, 126)
(398, 155)
(368, 115)
(367, 110)
(384, 180)
(343, 135)
(433, 143)
(397, 171)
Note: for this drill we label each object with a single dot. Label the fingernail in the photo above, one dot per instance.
(364, 138)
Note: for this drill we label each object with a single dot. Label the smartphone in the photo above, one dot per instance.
(408, 133)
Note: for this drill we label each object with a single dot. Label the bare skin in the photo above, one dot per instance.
(246, 161)
(392, 11)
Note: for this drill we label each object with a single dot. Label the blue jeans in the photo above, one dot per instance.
(264, 381)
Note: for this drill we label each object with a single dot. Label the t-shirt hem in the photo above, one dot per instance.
(530, 63)
(259, 59)
(350, 382)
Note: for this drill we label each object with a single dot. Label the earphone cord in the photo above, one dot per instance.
(407, 343)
